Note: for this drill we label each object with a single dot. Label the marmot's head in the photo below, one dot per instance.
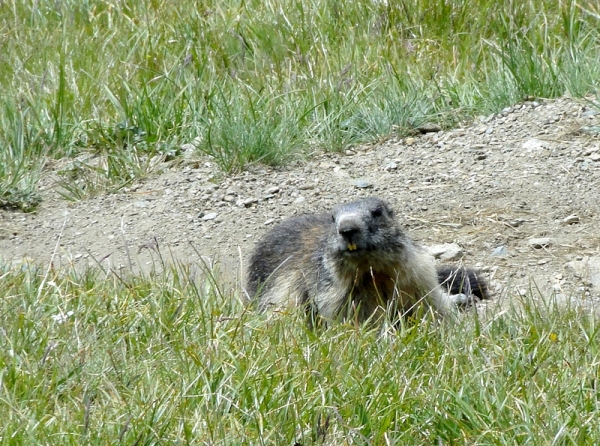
(363, 231)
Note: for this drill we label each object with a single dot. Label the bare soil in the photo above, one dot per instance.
(529, 172)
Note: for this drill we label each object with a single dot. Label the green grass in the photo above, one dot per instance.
(264, 81)
(177, 358)
(90, 359)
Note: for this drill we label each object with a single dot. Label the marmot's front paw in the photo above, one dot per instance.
(462, 300)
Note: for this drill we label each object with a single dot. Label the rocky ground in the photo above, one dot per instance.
(517, 191)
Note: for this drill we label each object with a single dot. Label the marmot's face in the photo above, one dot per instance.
(363, 227)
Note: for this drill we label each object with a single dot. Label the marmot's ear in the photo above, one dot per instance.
(388, 208)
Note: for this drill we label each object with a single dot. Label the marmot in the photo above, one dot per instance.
(354, 263)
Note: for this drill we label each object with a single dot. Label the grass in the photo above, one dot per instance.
(119, 87)
(265, 81)
(96, 359)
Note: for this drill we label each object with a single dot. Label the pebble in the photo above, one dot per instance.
(209, 216)
(247, 202)
(500, 251)
(571, 219)
(362, 183)
(446, 251)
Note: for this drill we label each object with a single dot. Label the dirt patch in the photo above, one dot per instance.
(529, 172)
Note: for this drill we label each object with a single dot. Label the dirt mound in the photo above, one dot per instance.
(518, 192)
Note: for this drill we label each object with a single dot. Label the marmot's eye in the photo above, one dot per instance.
(377, 212)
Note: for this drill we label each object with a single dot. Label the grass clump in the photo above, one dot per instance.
(19, 160)
(264, 81)
(172, 358)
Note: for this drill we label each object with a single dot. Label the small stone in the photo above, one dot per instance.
(409, 141)
(571, 219)
(362, 183)
(141, 204)
(541, 242)
(500, 251)
(390, 166)
(534, 144)
(247, 202)
(273, 190)
(269, 221)
(446, 251)
(210, 216)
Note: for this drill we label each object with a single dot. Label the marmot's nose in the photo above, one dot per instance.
(348, 229)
